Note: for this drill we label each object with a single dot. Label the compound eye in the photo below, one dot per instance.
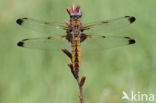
(73, 17)
(79, 16)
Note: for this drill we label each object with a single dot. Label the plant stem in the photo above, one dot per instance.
(81, 91)
(76, 76)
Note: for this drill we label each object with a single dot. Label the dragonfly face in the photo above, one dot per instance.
(75, 24)
(76, 33)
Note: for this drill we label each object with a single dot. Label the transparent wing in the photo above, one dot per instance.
(105, 42)
(46, 43)
(109, 25)
(41, 26)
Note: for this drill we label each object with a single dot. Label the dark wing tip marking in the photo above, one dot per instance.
(21, 44)
(20, 21)
(132, 19)
(131, 41)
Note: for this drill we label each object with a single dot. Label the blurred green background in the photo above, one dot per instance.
(36, 76)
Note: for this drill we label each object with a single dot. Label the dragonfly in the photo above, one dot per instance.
(74, 33)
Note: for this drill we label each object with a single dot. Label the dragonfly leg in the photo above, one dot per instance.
(75, 73)
(71, 68)
(67, 53)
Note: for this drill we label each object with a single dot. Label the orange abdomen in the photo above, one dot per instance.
(76, 55)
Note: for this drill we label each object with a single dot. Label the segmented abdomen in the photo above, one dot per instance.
(76, 55)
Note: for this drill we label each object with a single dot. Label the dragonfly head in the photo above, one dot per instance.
(75, 13)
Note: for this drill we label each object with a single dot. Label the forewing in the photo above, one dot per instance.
(94, 43)
(41, 26)
(46, 43)
(109, 25)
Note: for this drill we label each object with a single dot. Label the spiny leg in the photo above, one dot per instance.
(70, 65)
(67, 53)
